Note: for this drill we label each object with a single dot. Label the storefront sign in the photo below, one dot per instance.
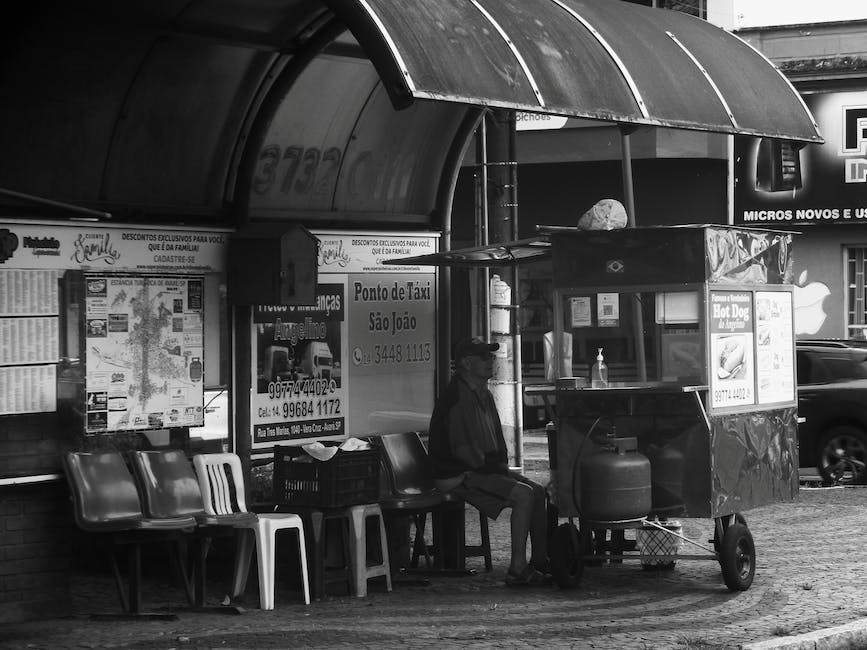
(832, 187)
(731, 371)
(144, 341)
(538, 121)
(110, 248)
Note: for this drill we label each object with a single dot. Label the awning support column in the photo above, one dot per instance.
(502, 226)
(629, 198)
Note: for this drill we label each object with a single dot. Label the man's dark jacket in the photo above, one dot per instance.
(444, 463)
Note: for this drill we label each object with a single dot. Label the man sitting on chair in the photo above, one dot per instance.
(469, 459)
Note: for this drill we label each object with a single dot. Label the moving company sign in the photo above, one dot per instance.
(26, 245)
(833, 181)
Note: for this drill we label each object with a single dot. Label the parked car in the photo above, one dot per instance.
(832, 400)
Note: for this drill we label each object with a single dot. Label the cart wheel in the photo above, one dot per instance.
(737, 557)
(739, 519)
(567, 564)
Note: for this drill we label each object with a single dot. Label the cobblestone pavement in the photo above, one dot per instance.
(810, 576)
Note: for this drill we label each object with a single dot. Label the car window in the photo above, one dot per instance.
(805, 370)
(818, 367)
(845, 368)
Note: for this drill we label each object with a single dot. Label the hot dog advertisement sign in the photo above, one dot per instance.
(732, 369)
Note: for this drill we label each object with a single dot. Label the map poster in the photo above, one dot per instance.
(144, 341)
(299, 388)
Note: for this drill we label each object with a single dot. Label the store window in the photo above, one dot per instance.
(856, 292)
(691, 7)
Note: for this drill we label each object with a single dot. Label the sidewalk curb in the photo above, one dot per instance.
(851, 635)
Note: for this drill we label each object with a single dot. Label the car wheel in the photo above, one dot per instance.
(738, 557)
(843, 455)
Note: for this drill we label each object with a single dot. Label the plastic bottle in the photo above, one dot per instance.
(599, 372)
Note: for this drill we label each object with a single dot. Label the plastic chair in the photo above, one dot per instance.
(413, 492)
(410, 487)
(222, 485)
(169, 487)
(362, 571)
(106, 500)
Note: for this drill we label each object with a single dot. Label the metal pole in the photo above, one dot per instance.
(516, 278)
(483, 276)
(629, 196)
(94, 214)
(501, 228)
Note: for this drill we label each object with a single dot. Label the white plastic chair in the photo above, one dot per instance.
(222, 485)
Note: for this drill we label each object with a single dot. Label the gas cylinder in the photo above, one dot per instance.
(667, 469)
(615, 481)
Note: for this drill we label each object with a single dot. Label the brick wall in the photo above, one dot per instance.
(35, 528)
(30, 444)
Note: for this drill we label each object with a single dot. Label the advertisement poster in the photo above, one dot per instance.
(299, 390)
(392, 320)
(731, 372)
(144, 338)
(774, 347)
(815, 185)
(362, 360)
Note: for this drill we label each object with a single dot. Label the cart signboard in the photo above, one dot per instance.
(731, 372)
(774, 347)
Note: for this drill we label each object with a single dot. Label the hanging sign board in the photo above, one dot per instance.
(113, 247)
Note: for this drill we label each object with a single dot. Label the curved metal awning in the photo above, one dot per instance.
(598, 59)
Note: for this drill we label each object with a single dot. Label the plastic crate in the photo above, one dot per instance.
(349, 478)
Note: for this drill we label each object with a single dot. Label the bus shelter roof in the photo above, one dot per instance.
(596, 59)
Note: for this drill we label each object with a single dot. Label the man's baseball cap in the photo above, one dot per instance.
(473, 347)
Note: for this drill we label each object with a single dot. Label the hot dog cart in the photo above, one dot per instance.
(697, 416)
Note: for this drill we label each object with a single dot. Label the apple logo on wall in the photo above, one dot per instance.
(809, 305)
